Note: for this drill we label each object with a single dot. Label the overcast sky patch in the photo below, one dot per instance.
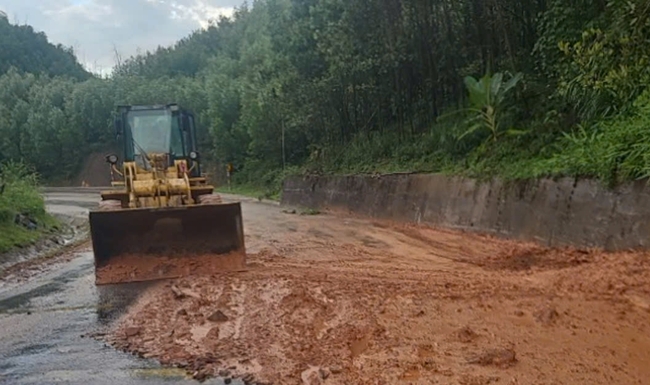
(96, 28)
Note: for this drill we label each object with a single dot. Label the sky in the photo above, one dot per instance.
(97, 28)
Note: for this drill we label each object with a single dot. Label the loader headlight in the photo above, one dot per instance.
(194, 155)
(112, 158)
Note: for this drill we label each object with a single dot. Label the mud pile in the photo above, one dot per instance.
(95, 172)
(353, 302)
(135, 268)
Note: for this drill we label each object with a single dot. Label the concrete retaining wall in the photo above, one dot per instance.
(553, 212)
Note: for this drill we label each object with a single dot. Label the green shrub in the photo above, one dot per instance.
(20, 195)
(614, 150)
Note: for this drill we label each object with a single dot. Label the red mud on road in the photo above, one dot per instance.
(329, 300)
(137, 268)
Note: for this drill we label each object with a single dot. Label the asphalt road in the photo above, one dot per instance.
(44, 321)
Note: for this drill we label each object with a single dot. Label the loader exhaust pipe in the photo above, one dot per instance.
(132, 245)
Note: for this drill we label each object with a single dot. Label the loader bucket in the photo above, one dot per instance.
(143, 244)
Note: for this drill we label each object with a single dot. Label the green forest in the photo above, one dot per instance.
(512, 88)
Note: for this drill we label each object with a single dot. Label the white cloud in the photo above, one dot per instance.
(200, 11)
(88, 10)
(95, 27)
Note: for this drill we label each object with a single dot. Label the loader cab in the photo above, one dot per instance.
(165, 129)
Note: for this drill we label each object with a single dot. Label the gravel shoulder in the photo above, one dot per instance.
(72, 214)
(328, 299)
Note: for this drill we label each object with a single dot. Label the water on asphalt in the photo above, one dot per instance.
(44, 325)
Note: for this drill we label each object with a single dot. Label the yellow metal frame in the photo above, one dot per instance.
(160, 185)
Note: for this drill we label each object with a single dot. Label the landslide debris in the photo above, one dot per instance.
(136, 268)
(320, 307)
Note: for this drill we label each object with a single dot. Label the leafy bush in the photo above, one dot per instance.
(608, 66)
(614, 150)
(20, 196)
(487, 97)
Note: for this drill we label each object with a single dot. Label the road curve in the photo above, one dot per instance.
(44, 321)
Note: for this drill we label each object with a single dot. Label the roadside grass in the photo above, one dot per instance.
(15, 236)
(21, 202)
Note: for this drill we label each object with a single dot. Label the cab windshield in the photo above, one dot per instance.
(151, 130)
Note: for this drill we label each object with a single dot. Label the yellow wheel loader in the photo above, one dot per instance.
(161, 219)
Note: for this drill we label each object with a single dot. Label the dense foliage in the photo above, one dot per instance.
(519, 88)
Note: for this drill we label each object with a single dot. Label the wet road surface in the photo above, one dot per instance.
(43, 322)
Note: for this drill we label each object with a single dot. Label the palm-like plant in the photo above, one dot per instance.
(486, 97)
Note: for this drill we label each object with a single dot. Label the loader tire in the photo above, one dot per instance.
(110, 205)
(210, 199)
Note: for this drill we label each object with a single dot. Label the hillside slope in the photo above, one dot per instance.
(30, 51)
(95, 171)
(509, 88)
